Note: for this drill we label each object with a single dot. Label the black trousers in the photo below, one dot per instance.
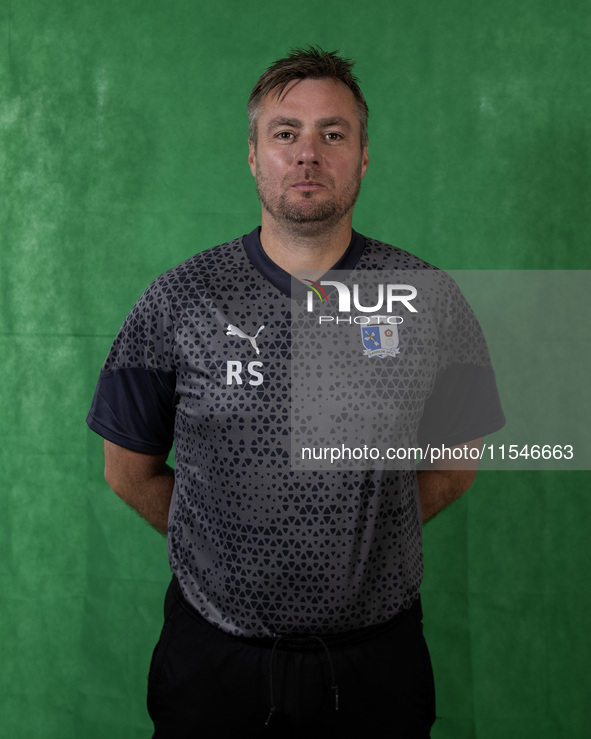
(206, 683)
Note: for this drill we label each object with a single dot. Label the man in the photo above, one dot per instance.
(294, 607)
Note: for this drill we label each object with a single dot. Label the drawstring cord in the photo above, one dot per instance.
(334, 687)
(271, 691)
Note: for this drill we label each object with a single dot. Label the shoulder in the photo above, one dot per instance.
(436, 284)
(379, 255)
(183, 290)
(438, 292)
(216, 264)
(196, 277)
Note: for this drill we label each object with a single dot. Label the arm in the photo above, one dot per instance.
(143, 481)
(446, 481)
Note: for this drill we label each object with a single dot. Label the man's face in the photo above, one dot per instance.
(308, 162)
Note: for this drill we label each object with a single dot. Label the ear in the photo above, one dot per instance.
(364, 161)
(252, 157)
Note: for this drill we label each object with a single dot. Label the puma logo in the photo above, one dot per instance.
(235, 331)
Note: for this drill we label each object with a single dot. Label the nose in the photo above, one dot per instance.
(308, 152)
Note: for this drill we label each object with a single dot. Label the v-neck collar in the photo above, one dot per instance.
(281, 279)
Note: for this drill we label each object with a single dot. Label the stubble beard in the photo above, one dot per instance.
(302, 214)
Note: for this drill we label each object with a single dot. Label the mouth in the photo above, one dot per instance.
(307, 186)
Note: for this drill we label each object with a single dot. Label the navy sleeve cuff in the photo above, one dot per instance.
(135, 408)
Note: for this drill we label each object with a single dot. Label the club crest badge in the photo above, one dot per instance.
(380, 339)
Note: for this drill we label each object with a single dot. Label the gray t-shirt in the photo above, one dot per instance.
(260, 548)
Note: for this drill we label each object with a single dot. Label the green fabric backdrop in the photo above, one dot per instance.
(122, 152)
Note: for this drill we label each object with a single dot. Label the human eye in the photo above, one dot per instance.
(333, 136)
(284, 135)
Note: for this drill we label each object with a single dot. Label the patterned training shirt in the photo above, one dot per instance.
(261, 547)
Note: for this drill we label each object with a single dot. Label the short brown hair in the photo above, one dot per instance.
(306, 63)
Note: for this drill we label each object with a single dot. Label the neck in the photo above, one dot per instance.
(308, 250)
